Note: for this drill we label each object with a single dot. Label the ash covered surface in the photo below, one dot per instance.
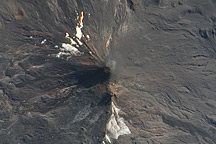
(155, 59)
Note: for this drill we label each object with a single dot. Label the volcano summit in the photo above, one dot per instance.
(107, 71)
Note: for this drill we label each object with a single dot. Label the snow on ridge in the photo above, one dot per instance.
(79, 27)
(75, 41)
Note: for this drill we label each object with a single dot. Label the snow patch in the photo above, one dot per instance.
(116, 126)
(107, 138)
(67, 50)
(78, 32)
(108, 41)
(79, 27)
(43, 41)
(78, 36)
(81, 20)
(60, 54)
(67, 36)
(70, 48)
(88, 37)
(75, 40)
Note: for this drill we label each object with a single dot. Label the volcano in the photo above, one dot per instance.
(107, 71)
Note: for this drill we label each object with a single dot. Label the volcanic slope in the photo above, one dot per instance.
(161, 59)
(49, 94)
(169, 72)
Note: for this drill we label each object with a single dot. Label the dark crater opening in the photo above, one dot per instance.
(93, 76)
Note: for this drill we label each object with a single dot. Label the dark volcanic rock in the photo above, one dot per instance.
(45, 99)
(160, 53)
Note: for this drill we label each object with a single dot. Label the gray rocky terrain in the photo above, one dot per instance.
(155, 59)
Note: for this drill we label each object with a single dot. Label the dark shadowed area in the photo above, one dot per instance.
(156, 59)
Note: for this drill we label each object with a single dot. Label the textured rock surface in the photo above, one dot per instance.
(162, 58)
